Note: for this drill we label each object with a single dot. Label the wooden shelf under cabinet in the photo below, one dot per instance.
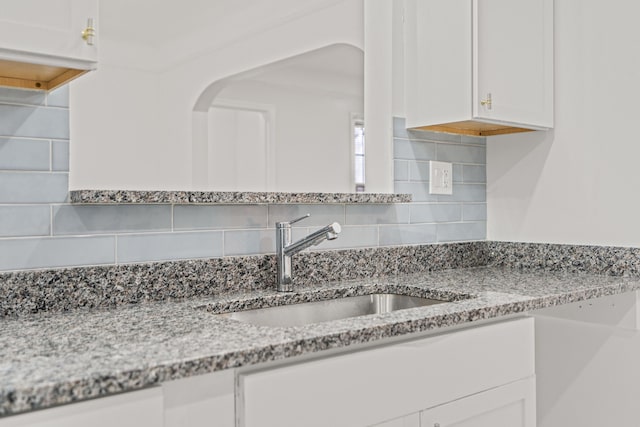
(35, 76)
(470, 127)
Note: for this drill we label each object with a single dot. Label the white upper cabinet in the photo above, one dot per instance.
(479, 67)
(45, 43)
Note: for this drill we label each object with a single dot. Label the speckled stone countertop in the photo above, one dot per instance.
(229, 197)
(52, 358)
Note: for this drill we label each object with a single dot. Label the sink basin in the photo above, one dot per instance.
(323, 311)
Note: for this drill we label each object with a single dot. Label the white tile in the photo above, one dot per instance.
(24, 154)
(169, 246)
(435, 212)
(34, 122)
(462, 231)
(249, 242)
(34, 187)
(25, 220)
(100, 219)
(194, 217)
(407, 234)
(366, 214)
(18, 254)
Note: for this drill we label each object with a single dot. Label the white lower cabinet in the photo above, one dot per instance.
(388, 385)
(133, 409)
(587, 363)
(200, 401)
(512, 405)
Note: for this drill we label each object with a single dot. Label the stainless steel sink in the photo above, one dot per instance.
(323, 311)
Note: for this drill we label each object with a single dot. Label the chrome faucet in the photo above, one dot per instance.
(285, 249)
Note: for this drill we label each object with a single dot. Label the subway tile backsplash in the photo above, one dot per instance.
(24, 154)
(189, 217)
(33, 187)
(39, 228)
(29, 220)
(50, 252)
(34, 122)
(169, 246)
(82, 220)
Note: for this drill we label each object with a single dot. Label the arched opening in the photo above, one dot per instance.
(294, 116)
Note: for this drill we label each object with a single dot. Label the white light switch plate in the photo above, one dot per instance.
(440, 178)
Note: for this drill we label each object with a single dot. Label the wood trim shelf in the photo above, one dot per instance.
(473, 128)
(35, 76)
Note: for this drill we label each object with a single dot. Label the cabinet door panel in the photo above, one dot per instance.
(47, 27)
(512, 405)
(513, 57)
(383, 383)
(195, 401)
(437, 61)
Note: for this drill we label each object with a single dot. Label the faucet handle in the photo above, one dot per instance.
(293, 221)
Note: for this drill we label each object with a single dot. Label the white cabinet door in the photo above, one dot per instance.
(196, 401)
(478, 67)
(134, 409)
(512, 405)
(42, 44)
(513, 61)
(47, 27)
(438, 61)
(383, 383)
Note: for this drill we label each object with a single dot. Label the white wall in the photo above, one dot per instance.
(312, 134)
(238, 149)
(131, 121)
(578, 183)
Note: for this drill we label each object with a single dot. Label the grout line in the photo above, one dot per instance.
(44, 105)
(115, 249)
(19, 104)
(437, 141)
(344, 213)
(32, 138)
(40, 171)
(54, 236)
(51, 220)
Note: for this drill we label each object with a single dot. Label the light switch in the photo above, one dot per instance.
(440, 178)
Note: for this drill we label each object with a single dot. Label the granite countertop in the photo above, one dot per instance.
(47, 359)
(228, 197)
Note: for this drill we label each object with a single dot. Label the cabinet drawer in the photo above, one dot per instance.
(371, 386)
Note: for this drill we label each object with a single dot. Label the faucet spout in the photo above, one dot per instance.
(285, 249)
(330, 232)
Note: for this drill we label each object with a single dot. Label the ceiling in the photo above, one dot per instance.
(333, 68)
(158, 22)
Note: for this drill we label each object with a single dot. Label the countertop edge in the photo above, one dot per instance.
(227, 197)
